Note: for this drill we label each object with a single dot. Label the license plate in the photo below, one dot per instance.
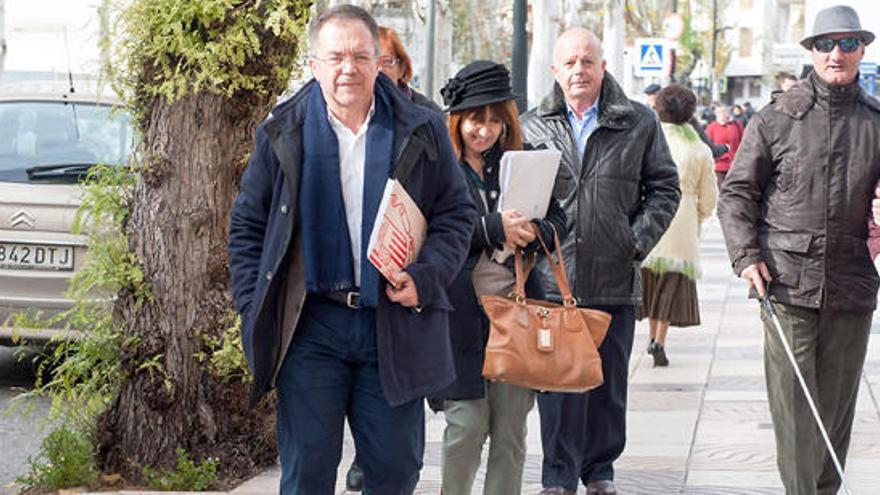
(35, 256)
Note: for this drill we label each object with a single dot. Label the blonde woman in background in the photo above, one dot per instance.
(670, 271)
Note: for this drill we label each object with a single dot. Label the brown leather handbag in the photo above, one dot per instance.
(543, 345)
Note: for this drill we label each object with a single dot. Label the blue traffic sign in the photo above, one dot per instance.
(652, 57)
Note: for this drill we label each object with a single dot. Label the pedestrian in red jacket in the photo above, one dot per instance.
(727, 131)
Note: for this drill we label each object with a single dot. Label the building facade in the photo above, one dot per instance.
(764, 35)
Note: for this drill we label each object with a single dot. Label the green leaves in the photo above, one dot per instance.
(66, 459)
(225, 355)
(82, 375)
(186, 476)
(168, 48)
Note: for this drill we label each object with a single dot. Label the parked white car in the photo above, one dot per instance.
(49, 138)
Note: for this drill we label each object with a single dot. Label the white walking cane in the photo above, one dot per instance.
(768, 306)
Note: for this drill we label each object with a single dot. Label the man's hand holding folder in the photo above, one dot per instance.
(402, 290)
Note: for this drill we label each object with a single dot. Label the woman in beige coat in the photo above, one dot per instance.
(670, 271)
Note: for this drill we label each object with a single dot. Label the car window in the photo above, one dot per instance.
(34, 134)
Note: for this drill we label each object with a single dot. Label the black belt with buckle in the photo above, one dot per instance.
(349, 299)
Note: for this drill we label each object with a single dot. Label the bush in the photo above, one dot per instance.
(66, 459)
(186, 476)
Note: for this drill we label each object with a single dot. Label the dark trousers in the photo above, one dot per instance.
(719, 177)
(330, 373)
(583, 434)
(830, 349)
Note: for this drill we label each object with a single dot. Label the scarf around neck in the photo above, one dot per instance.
(325, 237)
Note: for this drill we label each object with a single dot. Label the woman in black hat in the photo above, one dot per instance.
(483, 124)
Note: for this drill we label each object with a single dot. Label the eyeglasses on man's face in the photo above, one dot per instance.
(337, 60)
(847, 45)
(389, 61)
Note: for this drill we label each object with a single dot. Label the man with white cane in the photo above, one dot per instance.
(793, 210)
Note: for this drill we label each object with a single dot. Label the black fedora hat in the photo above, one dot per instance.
(840, 19)
(479, 83)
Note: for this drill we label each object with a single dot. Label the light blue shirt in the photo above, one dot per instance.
(583, 127)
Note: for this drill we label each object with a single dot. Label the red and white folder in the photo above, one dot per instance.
(398, 232)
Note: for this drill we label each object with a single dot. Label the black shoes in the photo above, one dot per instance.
(556, 490)
(354, 480)
(602, 487)
(656, 350)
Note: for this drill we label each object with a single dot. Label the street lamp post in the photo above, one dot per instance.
(429, 63)
(520, 62)
(712, 89)
(672, 52)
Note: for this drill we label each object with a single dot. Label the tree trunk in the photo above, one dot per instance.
(613, 38)
(443, 48)
(473, 34)
(545, 30)
(193, 153)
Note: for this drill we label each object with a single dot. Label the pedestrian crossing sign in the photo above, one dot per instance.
(652, 57)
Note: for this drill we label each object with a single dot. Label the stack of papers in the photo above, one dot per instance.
(526, 180)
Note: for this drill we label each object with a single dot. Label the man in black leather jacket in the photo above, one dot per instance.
(619, 188)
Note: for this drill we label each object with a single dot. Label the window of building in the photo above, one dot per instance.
(783, 23)
(745, 42)
(755, 88)
(738, 87)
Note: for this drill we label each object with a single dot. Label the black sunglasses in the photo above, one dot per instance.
(847, 45)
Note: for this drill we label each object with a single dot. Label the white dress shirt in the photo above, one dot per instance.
(352, 160)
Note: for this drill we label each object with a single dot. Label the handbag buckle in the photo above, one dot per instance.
(569, 302)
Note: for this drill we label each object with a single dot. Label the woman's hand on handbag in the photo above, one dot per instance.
(518, 230)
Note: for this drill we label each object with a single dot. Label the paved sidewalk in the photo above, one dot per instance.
(700, 426)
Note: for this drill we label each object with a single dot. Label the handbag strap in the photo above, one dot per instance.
(519, 288)
(557, 266)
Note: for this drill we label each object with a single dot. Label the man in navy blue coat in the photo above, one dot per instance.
(319, 323)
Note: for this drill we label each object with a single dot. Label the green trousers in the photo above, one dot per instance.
(830, 349)
(501, 416)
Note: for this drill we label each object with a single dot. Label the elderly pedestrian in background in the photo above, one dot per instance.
(738, 113)
(319, 323)
(395, 63)
(619, 190)
(670, 271)
(483, 123)
(793, 211)
(651, 91)
(787, 82)
(726, 131)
